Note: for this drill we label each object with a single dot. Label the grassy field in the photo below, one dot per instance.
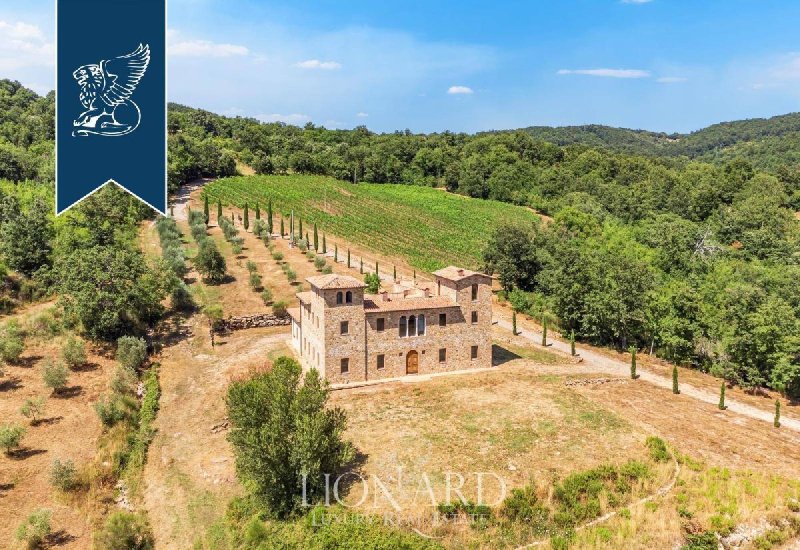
(429, 227)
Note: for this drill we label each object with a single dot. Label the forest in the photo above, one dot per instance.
(690, 252)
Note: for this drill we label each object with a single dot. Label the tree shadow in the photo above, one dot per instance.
(27, 362)
(68, 393)
(59, 538)
(86, 367)
(352, 474)
(25, 452)
(48, 421)
(501, 355)
(10, 384)
(5, 488)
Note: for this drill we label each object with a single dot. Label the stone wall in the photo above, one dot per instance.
(252, 321)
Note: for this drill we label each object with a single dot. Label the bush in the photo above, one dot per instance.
(63, 475)
(33, 409)
(319, 263)
(255, 281)
(291, 276)
(73, 352)
(11, 343)
(114, 409)
(279, 308)
(131, 352)
(210, 263)
(181, 297)
(373, 282)
(11, 437)
(523, 506)
(125, 531)
(266, 295)
(327, 270)
(658, 449)
(55, 375)
(35, 529)
(251, 266)
(123, 381)
(277, 256)
(302, 245)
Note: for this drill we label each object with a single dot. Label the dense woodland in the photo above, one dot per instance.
(644, 242)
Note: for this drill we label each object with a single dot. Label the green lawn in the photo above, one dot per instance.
(429, 227)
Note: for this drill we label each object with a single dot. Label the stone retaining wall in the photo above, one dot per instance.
(252, 321)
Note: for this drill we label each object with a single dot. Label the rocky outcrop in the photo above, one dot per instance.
(252, 321)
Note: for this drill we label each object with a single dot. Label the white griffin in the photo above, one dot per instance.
(106, 91)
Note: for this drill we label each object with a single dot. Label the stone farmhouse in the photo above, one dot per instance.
(416, 328)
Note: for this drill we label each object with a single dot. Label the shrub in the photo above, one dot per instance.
(291, 276)
(63, 475)
(11, 343)
(279, 308)
(73, 352)
(266, 295)
(523, 506)
(236, 248)
(255, 281)
(131, 352)
(35, 529)
(658, 449)
(55, 375)
(675, 389)
(327, 270)
(373, 282)
(252, 267)
(33, 409)
(277, 256)
(125, 531)
(114, 409)
(319, 263)
(701, 541)
(310, 254)
(722, 406)
(210, 263)
(181, 297)
(123, 381)
(11, 437)
(302, 245)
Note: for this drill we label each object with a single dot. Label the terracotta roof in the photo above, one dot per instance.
(294, 313)
(456, 273)
(335, 281)
(305, 297)
(377, 303)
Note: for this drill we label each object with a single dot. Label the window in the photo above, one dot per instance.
(338, 298)
(474, 317)
(381, 361)
(443, 319)
(421, 325)
(403, 331)
(380, 324)
(412, 326)
(344, 327)
(442, 355)
(474, 292)
(473, 353)
(345, 364)
(348, 298)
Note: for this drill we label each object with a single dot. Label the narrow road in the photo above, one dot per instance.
(621, 368)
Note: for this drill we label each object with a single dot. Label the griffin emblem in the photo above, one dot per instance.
(106, 91)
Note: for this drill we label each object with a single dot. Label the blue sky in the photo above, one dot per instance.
(668, 65)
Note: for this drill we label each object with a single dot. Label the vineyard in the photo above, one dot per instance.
(429, 227)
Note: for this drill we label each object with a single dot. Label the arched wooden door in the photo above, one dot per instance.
(412, 362)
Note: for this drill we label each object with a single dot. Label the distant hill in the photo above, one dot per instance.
(766, 142)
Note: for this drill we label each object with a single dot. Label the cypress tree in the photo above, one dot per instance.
(675, 388)
(269, 216)
(777, 422)
(514, 322)
(348, 258)
(258, 212)
(722, 405)
(316, 237)
(335, 253)
(324, 244)
(306, 236)
(376, 269)
(634, 376)
(362, 265)
(246, 217)
(300, 220)
(219, 210)
(544, 330)
(283, 230)
(572, 342)
(415, 275)
(394, 272)
(205, 208)
(171, 211)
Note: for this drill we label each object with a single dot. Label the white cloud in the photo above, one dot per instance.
(294, 118)
(459, 90)
(608, 73)
(206, 48)
(362, 114)
(671, 79)
(317, 64)
(22, 46)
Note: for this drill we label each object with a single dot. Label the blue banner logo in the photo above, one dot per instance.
(111, 101)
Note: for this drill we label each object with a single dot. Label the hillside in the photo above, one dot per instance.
(767, 143)
(427, 226)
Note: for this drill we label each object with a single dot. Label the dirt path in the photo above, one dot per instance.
(620, 368)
